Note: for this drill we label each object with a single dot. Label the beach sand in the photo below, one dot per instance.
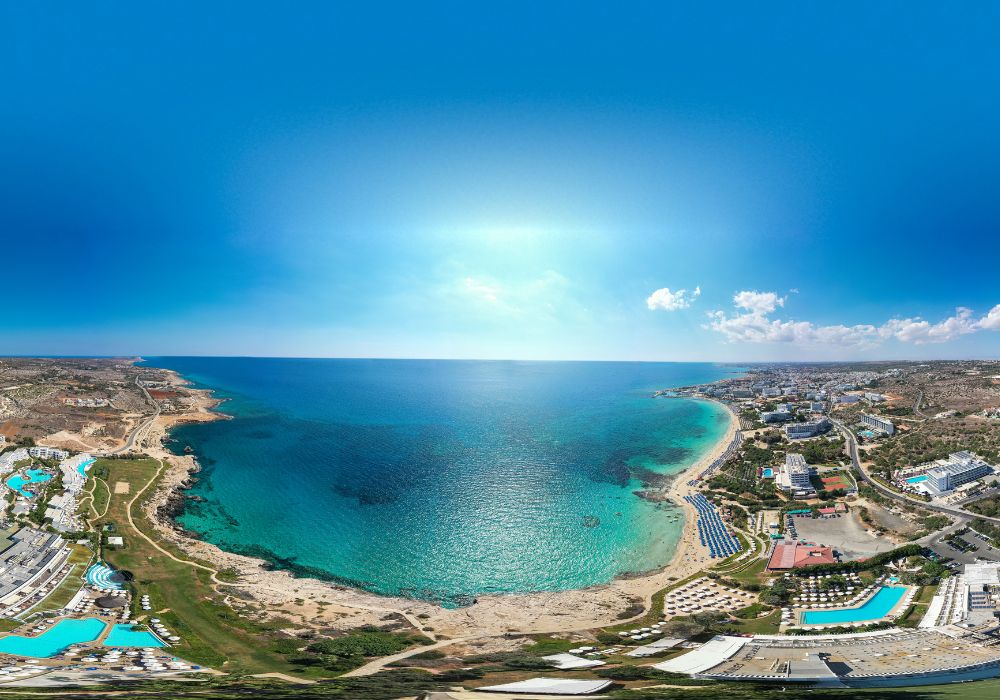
(314, 603)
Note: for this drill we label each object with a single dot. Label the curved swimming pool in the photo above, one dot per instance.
(875, 608)
(35, 476)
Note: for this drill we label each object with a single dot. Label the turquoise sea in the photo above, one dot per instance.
(444, 479)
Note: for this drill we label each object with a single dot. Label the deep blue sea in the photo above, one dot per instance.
(444, 479)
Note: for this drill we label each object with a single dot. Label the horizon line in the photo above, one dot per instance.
(145, 357)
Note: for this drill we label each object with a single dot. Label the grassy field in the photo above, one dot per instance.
(7, 624)
(752, 572)
(761, 625)
(915, 613)
(182, 595)
(100, 495)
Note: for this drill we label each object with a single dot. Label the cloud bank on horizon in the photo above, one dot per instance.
(752, 322)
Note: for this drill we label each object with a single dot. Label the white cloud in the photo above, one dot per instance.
(758, 302)
(753, 324)
(921, 332)
(757, 327)
(991, 321)
(665, 300)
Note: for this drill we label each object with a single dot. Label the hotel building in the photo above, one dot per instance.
(793, 476)
(877, 423)
(797, 431)
(775, 416)
(42, 452)
(960, 468)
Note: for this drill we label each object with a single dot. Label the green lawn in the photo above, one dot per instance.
(751, 573)
(101, 495)
(915, 613)
(760, 625)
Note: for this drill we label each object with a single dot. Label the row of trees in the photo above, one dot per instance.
(874, 562)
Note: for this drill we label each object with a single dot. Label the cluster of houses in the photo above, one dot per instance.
(85, 402)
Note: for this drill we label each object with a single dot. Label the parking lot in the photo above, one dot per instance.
(845, 533)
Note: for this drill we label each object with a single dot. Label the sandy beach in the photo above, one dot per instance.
(311, 602)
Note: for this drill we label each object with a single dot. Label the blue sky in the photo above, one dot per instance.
(520, 180)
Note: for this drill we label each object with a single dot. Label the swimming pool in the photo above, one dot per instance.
(64, 633)
(768, 473)
(875, 608)
(100, 575)
(916, 479)
(82, 469)
(18, 482)
(125, 636)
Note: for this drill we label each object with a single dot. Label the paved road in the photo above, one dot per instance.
(852, 449)
(142, 426)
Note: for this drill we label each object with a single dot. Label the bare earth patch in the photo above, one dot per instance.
(121, 487)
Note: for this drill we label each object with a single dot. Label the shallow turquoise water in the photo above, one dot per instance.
(34, 476)
(876, 607)
(123, 635)
(63, 634)
(443, 480)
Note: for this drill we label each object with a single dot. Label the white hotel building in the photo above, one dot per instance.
(877, 423)
(793, 476)
(42, 452)
(960, 468)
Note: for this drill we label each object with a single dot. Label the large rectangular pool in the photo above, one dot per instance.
(125, 635)
(64, 633)
(916, 479)
(875, 608)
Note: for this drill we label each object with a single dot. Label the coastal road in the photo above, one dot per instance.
(142, 427)
(852, 450)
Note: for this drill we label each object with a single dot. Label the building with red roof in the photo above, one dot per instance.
(794, 555)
